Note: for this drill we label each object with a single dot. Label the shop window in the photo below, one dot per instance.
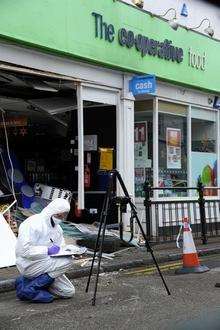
(204, 156)
(172, 148)
(203, 139)
(143, 145)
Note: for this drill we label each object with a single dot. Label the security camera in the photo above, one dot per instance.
(138, 3)
(210, 100)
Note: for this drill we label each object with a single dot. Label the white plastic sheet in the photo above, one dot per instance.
(7, 244)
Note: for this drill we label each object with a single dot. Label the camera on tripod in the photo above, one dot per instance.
(122, 202)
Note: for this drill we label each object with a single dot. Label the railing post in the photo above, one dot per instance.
(147, 204)
(201, 202)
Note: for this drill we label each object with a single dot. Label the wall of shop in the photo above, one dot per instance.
(80, 71)
(94, 31)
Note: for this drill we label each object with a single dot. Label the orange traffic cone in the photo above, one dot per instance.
(191, 262)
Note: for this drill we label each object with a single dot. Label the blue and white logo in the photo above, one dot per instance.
(184, 11)
(140, 85)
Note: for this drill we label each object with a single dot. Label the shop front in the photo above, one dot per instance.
(65, 78)
(62, 136)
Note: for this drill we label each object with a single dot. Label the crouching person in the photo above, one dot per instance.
(39, 239)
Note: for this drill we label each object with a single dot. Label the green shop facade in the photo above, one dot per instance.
(169, 137)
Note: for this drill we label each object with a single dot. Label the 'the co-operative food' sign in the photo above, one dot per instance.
(143, 44)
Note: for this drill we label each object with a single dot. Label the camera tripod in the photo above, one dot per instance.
(108, 201)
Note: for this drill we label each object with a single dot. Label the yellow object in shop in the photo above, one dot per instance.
(106, 159)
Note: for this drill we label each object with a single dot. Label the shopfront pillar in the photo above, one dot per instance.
(125, 147)
(81, 199)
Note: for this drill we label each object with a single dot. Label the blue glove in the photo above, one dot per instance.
(54, 249)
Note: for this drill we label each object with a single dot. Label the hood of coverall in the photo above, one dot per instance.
(58, 205)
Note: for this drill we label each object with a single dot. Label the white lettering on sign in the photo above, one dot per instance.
(197, 60)
(144, 85)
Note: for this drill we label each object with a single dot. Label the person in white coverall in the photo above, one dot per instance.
(39, 237)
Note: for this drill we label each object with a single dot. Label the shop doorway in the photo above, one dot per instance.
(99, 155)
(39, 115)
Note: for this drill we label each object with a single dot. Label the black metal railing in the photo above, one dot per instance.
(164, 217)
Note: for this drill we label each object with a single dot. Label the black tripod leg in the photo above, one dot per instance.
(105, 210)
(96, 244)
(141, 228)
(152, 255)
(94, 256)
(100, 256)
(102, 226)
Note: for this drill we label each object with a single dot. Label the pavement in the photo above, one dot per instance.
(129, 299)
(124, 259)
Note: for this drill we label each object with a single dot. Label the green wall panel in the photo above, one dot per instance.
(67, 27)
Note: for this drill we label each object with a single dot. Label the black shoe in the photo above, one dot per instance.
(217, 285)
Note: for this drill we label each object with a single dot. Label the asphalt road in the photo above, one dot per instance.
(133, 299)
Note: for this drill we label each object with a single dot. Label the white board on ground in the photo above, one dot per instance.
(7, 244)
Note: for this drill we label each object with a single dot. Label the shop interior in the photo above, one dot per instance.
(39, 122)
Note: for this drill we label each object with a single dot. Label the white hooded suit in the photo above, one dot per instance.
(36, 234)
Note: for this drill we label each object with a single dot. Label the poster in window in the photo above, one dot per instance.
(204, 167)
(90, 142)
(173, 142)
(140, 145)
(139, 181)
